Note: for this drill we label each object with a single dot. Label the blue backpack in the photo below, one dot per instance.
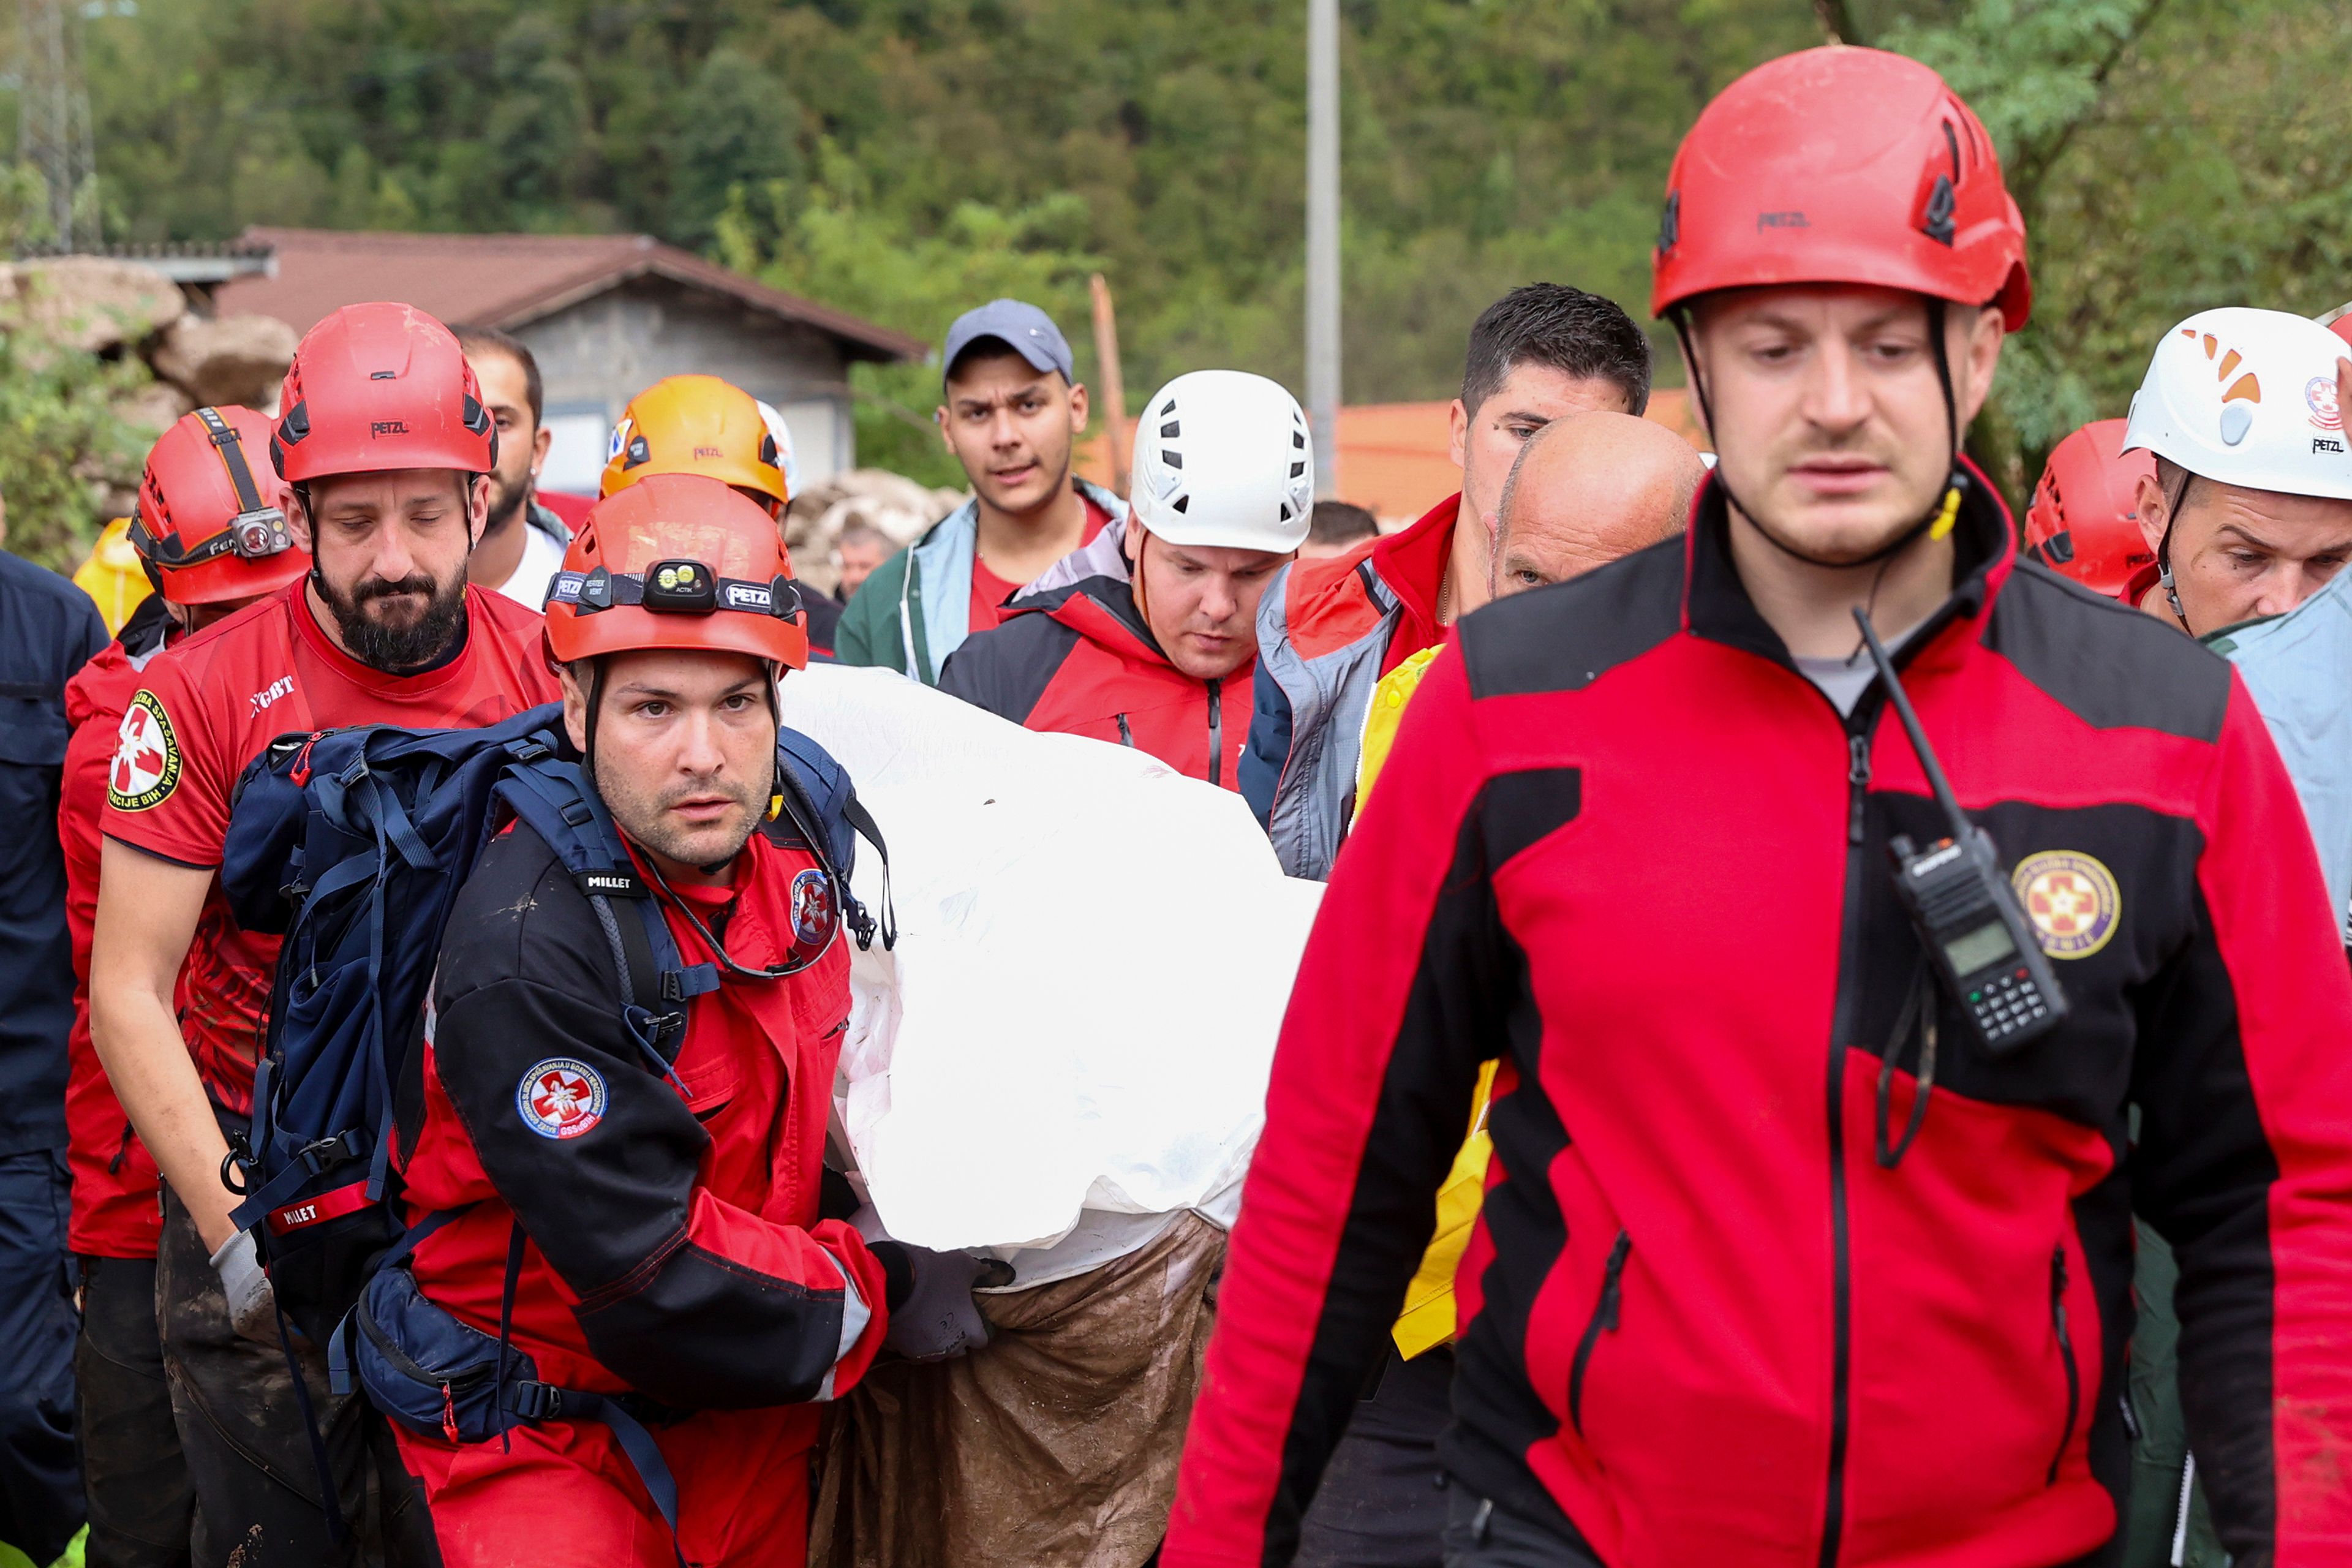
(352, 844)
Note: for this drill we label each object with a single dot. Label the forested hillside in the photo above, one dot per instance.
(905, 157)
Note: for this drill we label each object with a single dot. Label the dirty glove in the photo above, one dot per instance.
(252, 1305)
(932, 1314)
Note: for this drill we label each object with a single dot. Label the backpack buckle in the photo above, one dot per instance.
(535, 1401)
(329, 1152)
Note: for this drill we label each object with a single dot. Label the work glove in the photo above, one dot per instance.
(252, 1305)
(932, 1314)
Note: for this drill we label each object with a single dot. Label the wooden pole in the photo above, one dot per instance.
(1113, 390)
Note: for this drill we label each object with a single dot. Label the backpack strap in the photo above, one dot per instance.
(551, 797)
(809, 821)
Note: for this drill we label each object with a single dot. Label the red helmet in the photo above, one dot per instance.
(2342, 327)
(1841, 165)
(379, 387)
(677, 561)
(211, 526)
(2085, 520)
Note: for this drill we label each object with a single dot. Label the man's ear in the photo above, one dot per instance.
(1457, 419)
(477, 509)
(1981, 355)
(940, 418)
(298, 518)
(575, 707)
(1078, 406)
(540, 443)
(2153, 514)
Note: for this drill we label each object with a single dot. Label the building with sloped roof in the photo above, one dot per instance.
(605, 315)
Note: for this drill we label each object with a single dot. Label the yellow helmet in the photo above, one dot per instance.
(697, 424)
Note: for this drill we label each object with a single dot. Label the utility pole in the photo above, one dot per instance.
(1323, 240)
(53, 132)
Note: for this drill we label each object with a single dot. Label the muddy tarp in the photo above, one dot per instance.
(1055, 1446)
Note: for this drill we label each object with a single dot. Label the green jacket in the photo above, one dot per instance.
(915, 609)
(2167, 1516)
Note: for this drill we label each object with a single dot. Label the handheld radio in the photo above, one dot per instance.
(1965, 911)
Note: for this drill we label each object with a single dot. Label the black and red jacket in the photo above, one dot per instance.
(1624, 846)
(675, 1243)
(1074, 656)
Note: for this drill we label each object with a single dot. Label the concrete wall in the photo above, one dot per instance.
(596, 355)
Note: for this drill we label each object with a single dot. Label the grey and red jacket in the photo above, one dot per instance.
(1624, 846)
(1074, 656)
(1327, 631)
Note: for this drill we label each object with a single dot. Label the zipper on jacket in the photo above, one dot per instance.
(1126, 735)
(1216, 732)
(2066, 1355)
(1857, 777)
(1604, 1316)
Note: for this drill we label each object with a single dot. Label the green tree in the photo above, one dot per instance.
(737, 138)
(60, 433)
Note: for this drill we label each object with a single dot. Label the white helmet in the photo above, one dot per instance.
(2246, 397)
(775, 421)
(1222, 459)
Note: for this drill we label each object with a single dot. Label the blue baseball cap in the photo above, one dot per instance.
(1022, 328)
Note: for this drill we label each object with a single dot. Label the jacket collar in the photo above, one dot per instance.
(1716, 604)
(1411, 562)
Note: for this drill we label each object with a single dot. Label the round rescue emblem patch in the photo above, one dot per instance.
(561, 1097)
(146, 767)
(2072, 901)
(811, 906)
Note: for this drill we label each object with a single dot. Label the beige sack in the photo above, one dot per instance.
(1055, 1446)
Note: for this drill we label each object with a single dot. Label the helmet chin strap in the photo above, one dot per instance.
(2164, 551)
(1936, 522)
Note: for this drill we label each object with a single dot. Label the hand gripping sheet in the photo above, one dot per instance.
(1094, 955)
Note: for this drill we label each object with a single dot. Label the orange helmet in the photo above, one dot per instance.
(677, 561)
(2085, 520)
(695, 425)
(210, 524)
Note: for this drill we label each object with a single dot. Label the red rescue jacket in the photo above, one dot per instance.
(1624, 846)
(117, 1210)
(1074, 656)
(674, 1247)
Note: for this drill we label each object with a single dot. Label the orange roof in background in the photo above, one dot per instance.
(1393, 456)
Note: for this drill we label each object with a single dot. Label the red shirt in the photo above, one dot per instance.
(990, 591)
(211, 705)
(116, 1187)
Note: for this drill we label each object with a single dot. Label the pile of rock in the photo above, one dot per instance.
(113, 308)
(896, 506)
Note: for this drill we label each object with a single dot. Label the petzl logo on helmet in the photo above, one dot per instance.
(620, 438)
(811, 906)
(1782, 220)
(561, 1097)
(2072, 899)
(2319, 396)
(146, 766)
(388, 428)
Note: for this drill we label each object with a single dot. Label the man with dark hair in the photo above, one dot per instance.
(1327, 630)
(1337, 527)
(1011, 410)
(521, 546)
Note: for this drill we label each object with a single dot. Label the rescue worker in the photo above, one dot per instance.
(523, 543)
(1327, 630)
(387, 451)
(1800, 1255)
(2084, 520)
(1584, 491)
(701, 425)
(49, 629)
(2249, 510)
(2263, 525)
(209, 531)
(668, 1246)
(1012, 411)
(1147, 637)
